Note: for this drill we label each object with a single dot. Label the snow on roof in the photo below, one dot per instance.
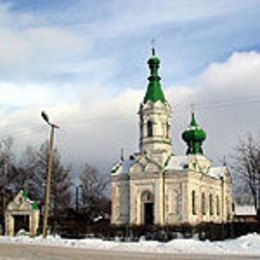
(216, 172)
(191, 127)
(181, 162)
(123, 167)
(245, 210)
(177, 162)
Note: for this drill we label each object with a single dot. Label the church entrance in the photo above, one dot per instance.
(147, 200)
(148, 213)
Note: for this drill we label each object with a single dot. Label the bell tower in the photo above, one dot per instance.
(155, 115)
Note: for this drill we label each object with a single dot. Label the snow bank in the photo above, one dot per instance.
(245, 245)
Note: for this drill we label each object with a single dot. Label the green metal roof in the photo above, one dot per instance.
(154, 90)
(194, 136)
(34, 204)
(24, 194)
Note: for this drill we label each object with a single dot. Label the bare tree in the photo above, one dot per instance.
(60, 181)
(6, 176)
(247, 166)
(26, 173)
(94, 186)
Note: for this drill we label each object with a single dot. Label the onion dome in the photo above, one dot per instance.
(194, 136)
(154, 91)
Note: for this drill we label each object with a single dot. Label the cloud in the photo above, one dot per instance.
(140, 16)
(227, 97)
(238, 72)
(29, 45)
(18, 49)
(95, 125)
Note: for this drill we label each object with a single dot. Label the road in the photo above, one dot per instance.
(33, 252)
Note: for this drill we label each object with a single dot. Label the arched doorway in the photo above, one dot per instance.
(147, 200)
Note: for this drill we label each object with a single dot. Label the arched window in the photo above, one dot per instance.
(203, 203)
(210, 204)
(193, 195)
(167, 130)
(149, 128)
(217, 205)
(147, 196)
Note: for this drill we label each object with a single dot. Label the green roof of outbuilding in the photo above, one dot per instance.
(34, 204)
(24, 194)
(154, 90)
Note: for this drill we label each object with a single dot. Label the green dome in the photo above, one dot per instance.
(154, 91)
(154, 61)
(194, 136)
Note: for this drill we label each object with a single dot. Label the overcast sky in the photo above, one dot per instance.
(84, 63)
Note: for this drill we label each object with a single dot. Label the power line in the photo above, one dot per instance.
(225, 103)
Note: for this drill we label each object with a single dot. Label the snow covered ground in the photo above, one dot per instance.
(245, 245)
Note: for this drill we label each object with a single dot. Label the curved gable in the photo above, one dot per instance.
(152, 167)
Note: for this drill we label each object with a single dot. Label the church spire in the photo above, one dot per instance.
(154, 91)
(153, 51)
(155, 117)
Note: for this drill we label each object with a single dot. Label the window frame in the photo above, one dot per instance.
(193, 202)
(149, 128)
(203, 203)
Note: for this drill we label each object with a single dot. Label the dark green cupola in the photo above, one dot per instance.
(194, 136)
(154, 91)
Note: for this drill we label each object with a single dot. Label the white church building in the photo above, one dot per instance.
(155, 186)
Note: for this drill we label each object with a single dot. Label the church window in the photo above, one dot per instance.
(228, 208)
(203, 203)
(177, 202)
(193, 202)
(217, 205)
(167, 130)
(149, 128)
(210, 204)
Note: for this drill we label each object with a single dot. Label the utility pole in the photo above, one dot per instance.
(258, 195)
(48, 179)
(5, 181)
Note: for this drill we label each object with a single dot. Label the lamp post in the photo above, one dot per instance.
(48, 179)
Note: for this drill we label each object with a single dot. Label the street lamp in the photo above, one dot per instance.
(48, 179)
